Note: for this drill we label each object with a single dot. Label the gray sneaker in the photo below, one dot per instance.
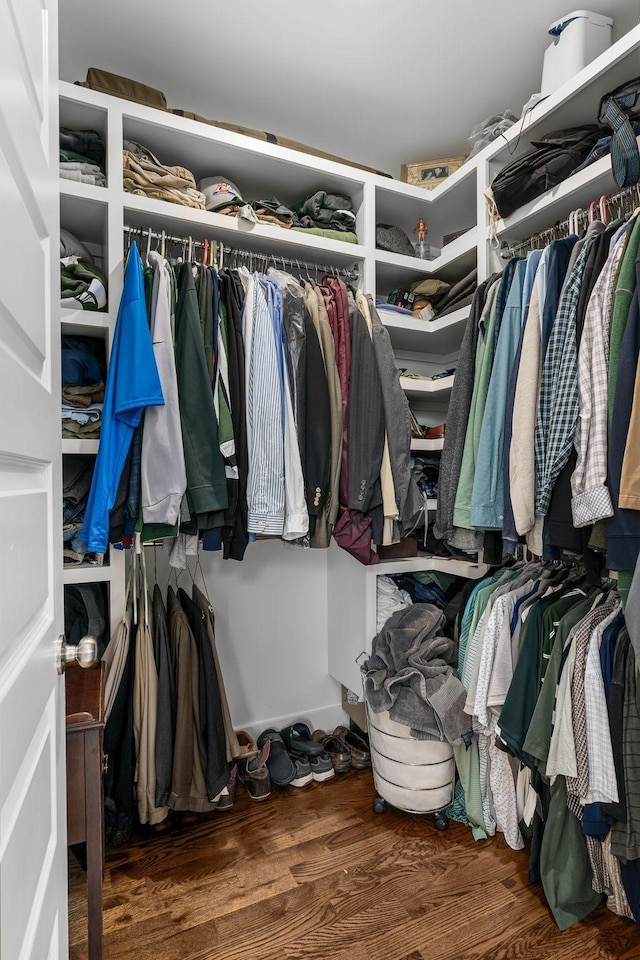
(321, 768)
(303, 775)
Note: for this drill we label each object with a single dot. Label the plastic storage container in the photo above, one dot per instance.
(579, 38)
(417, 776)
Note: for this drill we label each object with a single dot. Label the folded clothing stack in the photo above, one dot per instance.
(82, 283)
(82, 156)
(460, 295)
(323, 214)
(77, 472)
(145, 176)
(424, 300)
(427, 295)
(83, 373)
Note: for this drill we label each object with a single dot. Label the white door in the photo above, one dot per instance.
(33, 878)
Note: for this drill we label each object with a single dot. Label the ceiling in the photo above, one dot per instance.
(379, 82)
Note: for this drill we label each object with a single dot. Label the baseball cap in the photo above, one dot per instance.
(219, 193)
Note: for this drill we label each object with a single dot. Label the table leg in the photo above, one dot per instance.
(95, 839)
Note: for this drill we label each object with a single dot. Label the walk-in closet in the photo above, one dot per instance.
(320, 480)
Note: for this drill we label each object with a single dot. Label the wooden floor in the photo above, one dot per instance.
(315, 875)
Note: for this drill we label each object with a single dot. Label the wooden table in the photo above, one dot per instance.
(85, 811)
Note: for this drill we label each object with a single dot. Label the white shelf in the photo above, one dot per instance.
(86, 323)
(442, 336)
(576, 191)
(71, 445)
(83, 191)
(457, 259)
(88, 573)
(574, 103)
(261, 237)
(458, 568)
(425, 388)
(449, 208)
(423, 446)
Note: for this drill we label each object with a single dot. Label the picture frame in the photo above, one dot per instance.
(429, 174)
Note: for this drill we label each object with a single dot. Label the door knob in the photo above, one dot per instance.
(85, 653)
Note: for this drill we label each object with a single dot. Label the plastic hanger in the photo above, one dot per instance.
(604, 209)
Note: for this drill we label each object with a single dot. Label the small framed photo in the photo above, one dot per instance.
(429, 173)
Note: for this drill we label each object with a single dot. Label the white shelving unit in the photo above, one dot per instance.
(98, 215)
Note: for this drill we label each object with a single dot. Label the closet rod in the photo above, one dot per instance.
(276, 259)
(577, 218)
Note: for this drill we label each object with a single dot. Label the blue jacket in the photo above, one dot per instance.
(132, 385)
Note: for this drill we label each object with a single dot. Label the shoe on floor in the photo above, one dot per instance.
(226, 799)
(336, 749)
(298, 739)
(303, 772)
(321, 768)
(358, 748)
(282, 769)
(254, 774)
(248, 746)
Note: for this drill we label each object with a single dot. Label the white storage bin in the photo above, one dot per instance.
(417, 776)
(579, 38)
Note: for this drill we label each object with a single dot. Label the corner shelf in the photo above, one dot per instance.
(419, 389)
(457, 258)
(440, 336)
(426, 445)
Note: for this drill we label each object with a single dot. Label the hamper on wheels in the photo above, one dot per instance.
(416, 776)
(415, 711)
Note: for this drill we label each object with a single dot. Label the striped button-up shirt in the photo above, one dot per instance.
(591, 499)
(265, 414)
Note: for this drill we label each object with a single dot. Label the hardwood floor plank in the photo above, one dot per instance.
(319, 828)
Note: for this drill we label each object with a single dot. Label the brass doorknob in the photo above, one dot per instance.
(85, 653)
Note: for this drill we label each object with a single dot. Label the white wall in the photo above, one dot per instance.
(271, 632)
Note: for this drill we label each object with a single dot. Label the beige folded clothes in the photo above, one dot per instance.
(143, 174)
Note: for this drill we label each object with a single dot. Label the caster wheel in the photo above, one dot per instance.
(440, 822)
(379, 806)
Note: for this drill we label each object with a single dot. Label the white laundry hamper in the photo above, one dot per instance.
(416, 776)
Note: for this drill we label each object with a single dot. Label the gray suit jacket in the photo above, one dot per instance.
(398, 424)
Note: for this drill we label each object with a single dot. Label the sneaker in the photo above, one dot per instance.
(304, 774)
(321, 768)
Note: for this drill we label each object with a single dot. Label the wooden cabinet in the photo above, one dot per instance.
(85, 815)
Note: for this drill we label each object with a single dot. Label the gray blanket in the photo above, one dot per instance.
(411, 674)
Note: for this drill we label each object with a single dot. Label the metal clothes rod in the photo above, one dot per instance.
(577, 219)
(268, 258)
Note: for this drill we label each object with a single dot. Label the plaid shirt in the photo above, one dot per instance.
(591, 498)
(579, 786)
(558, 402)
